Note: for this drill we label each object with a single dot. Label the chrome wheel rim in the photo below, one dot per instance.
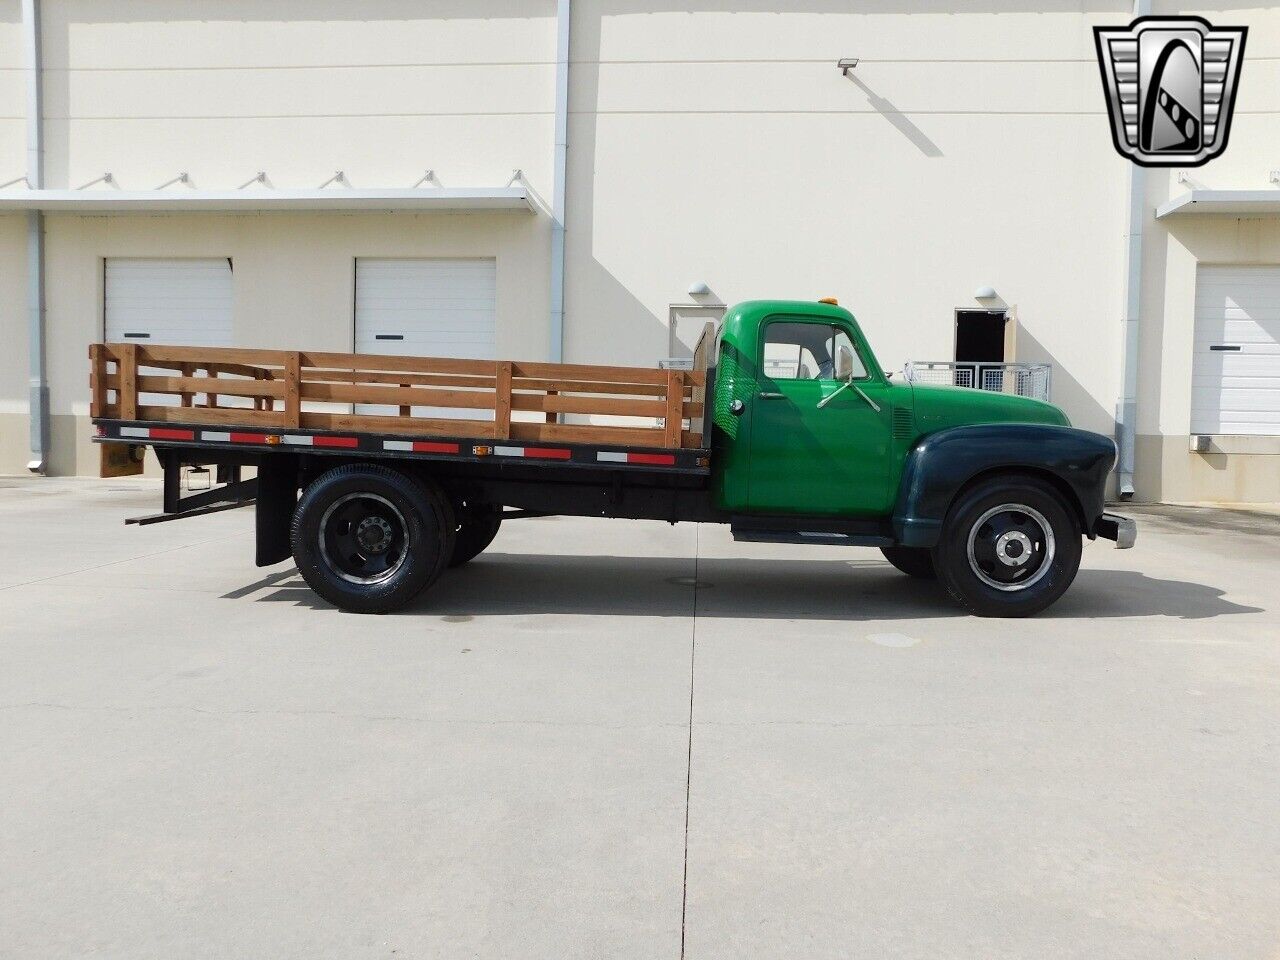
(363, 538)
(1011, 547)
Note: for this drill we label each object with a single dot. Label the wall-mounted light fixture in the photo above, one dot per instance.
(698, 289)
(847, 64)
(985, 293)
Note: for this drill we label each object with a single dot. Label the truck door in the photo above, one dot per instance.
(806, 459)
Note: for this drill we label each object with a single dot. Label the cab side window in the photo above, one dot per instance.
(809, 351)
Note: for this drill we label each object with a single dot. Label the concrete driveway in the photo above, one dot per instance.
(611, 739)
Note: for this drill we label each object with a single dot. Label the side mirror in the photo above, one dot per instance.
(844, 364)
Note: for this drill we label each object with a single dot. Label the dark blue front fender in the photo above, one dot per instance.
(942, 464)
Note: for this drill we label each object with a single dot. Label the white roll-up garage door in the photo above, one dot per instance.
(1235, 386)
(427, 308)
(177, 302)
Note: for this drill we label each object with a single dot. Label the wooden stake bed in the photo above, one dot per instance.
(201, 395)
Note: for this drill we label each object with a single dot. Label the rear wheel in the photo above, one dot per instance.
(1010, 547)
(913, 561)
(477, 526)
(368, 539)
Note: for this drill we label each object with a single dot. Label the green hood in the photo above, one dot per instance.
(938, 407)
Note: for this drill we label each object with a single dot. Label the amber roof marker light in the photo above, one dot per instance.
(831, 300)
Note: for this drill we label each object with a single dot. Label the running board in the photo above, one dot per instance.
(820, 531)
(811, 536)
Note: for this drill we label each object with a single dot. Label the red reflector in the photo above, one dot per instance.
(334, 442)
(166, 433)
(248, 438)
(660, 459)
(426, 446)
(547, 453)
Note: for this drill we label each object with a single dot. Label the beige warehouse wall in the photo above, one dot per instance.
(14, 424)
(293, 284)
(381, 89)
(722, 145)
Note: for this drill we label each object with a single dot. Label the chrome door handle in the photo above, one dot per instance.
(767, 395)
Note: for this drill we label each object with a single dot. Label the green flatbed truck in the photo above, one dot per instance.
(802, 439)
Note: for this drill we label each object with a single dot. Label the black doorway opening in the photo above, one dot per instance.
(980, 336)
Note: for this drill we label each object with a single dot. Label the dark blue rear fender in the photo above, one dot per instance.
(944, 463)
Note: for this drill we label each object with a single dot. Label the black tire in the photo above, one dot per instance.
(477, 526)
(990, 529)
(913, 561)
(368, 539)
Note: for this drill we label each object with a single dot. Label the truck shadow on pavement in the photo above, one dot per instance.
(501, 584)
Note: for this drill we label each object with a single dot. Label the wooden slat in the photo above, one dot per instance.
(502, 402)
(159, 354)
(586, 433)
(189, 385)
(396, 379)
(675, 408)
(188, 397)
(393, 396)
(368, 361)
(558, 403)
(129, 382)
(563, 385)
(233, 416)
(293, 390)
(419, 426)
(97, 380)
(578, 371)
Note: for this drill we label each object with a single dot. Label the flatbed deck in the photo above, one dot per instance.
(237, 401)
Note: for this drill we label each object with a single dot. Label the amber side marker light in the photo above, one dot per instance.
(481, 451)
(831, 300)
(272, 439)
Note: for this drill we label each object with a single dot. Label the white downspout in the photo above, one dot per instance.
(563, 17)
(1127, 405)
(38, 396)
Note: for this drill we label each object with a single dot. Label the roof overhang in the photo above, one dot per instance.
(426, 200)
(1231, 203)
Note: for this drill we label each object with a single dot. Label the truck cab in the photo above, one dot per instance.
(811, 432)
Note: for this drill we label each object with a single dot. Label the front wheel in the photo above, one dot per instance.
(368, 539)
(1010, 547)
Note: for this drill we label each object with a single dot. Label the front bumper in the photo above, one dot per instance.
(1122, 530)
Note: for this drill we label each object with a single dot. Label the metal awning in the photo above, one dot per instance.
(423, 200)
(1234, 203)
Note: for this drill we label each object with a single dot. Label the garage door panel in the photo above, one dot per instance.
(1235, 384)
(427, 308)
(173, 301)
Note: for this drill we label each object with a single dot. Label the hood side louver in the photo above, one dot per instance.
(903, 423)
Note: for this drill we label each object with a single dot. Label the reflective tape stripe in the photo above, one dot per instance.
(296, 441)
(215, 436)
(420, 446)
(509, 451)
(335, 442)
(248, 438)
(656, 459)
(547, 453)
(134, 432)
(166, 433)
